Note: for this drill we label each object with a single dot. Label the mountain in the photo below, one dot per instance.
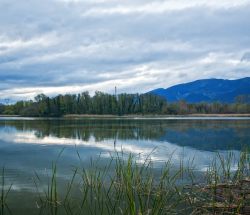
(206, 90)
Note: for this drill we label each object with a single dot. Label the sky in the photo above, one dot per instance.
(69, 46)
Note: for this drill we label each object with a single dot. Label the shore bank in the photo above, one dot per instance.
(152, 116)
(10, 115)
(107, 116)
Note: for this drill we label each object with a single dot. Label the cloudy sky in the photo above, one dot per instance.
(69, 46)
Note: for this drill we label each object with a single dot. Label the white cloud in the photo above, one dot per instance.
(162, 6)
(66, 46)
(10, 45)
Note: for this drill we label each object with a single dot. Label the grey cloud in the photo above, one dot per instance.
(63, 43)
(246, 57)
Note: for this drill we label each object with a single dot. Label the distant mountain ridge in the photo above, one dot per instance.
(206, 90)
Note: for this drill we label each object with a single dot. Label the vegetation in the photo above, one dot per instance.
(122, 104)
(127, 186)
(4, 194)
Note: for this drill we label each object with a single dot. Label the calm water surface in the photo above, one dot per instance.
(29, 145)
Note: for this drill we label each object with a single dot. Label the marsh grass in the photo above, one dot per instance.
(126, 185)
(227, 186)
(5, 190)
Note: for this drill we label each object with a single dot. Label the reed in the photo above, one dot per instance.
(4, 194)
(127, 186)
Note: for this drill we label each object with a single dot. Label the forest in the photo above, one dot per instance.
(123, 104)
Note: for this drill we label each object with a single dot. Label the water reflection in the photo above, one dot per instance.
(186, 138)
(31, 145)
(199, 134)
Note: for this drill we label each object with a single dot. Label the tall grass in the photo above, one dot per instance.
(4, 194)
(227, 187)
(127, 186)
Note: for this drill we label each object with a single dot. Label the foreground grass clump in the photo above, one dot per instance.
(126, 186)
(226, 187)
(121, 187)
(131, 187)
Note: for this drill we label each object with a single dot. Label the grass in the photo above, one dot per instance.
(126, 186)
(4, 194)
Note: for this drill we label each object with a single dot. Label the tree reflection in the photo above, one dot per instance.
(200, 134)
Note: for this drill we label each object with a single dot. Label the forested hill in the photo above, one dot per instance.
(207, 90)
(122, 104)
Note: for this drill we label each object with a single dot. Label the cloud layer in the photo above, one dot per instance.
(67, 46)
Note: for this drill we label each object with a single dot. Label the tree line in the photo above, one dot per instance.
(123, 104)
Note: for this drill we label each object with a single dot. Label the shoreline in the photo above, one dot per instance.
(152, 116)
(108, 116)
(10, 115)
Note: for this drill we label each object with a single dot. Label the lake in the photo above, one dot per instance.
(28, 146)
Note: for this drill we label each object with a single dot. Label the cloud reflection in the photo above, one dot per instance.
(160, 151)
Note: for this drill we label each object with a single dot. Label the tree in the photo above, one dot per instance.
(40, 97)
(122, 104)
(1, 108)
